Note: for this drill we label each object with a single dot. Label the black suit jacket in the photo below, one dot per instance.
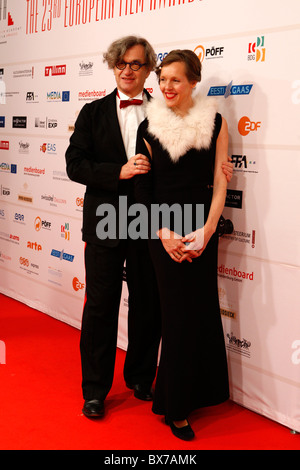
(94, 158)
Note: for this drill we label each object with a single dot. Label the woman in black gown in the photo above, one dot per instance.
(187, 141)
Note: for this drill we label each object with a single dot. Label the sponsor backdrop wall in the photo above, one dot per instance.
(51, 65)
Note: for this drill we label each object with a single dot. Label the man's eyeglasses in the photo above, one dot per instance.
(135, 65)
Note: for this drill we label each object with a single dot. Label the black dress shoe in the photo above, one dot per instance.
(93, 408)
(185, 433)
(142, 392)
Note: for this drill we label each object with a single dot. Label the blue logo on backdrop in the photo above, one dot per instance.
(2, 121)
(230, 89)
(65, 96)
(62, 255)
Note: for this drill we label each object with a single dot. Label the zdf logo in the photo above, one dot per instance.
(77, 285)
(245, 126)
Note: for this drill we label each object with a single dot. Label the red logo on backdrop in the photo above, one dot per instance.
(245, 126)
(53, 70)
(4, 144)
(77, 285)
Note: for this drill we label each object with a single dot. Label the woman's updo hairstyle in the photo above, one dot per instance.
(189, 58)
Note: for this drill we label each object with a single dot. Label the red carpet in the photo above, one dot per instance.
(41, 401)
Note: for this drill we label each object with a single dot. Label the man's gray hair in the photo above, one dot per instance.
(118, 48)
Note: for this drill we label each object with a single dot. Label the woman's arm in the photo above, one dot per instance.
(219, 190)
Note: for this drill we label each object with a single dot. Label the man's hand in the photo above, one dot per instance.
(137, 165)
(227, 168)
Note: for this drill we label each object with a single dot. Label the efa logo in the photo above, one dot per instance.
(245, 126)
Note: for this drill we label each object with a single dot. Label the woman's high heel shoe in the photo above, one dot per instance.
(185, 433)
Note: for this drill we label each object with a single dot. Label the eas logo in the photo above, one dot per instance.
(256, 50)
(49, 148)
(245, 126)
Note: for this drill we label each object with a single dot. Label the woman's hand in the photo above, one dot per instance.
(174, 246)
(137, 165)
(195, 242)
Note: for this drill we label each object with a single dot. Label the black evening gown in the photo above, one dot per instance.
(192, 370)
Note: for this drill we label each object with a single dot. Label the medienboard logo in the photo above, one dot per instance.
(230, 89)
(54, 70)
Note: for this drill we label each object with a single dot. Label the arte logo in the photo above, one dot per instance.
(245, 126)
(256, 50)
(34, 246)
(53, 70)
(230, 89)
(209, 53)
(77, 285)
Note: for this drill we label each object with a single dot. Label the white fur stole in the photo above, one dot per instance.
(179, 134)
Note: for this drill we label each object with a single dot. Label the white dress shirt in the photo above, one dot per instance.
(129, 120)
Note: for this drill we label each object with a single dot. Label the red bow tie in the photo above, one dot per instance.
(125, 103)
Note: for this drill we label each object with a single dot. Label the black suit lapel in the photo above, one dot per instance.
(114, 126)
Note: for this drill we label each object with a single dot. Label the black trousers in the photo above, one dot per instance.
(104, 277)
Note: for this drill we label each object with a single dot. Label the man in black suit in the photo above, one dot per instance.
(101, 155)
